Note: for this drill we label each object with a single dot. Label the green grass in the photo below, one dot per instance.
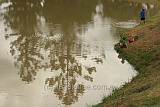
(142, 60)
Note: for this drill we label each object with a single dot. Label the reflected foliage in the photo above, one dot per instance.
(122, 58)
(21, 18)
(33, 30)
(62, 60)
(65, 83)
(42, 40)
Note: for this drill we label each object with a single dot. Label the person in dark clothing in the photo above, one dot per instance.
(142, 15)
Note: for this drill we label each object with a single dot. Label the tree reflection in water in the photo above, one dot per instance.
(65, 83)
(36, 45)
(21, 18)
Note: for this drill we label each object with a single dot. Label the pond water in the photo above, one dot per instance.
(61, 52)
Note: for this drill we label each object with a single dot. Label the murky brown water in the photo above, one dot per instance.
(60, 52)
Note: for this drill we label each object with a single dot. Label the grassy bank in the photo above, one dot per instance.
(144, 55)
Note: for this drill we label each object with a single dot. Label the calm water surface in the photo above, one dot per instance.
(56, 53)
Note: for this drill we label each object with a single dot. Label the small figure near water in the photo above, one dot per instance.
(122, 43)
(142, 16)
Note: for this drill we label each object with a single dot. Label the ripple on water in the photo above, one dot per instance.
(128, 24)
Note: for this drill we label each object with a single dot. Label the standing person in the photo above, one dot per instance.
(142, 15)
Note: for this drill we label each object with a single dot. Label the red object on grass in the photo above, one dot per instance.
(132, 40)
